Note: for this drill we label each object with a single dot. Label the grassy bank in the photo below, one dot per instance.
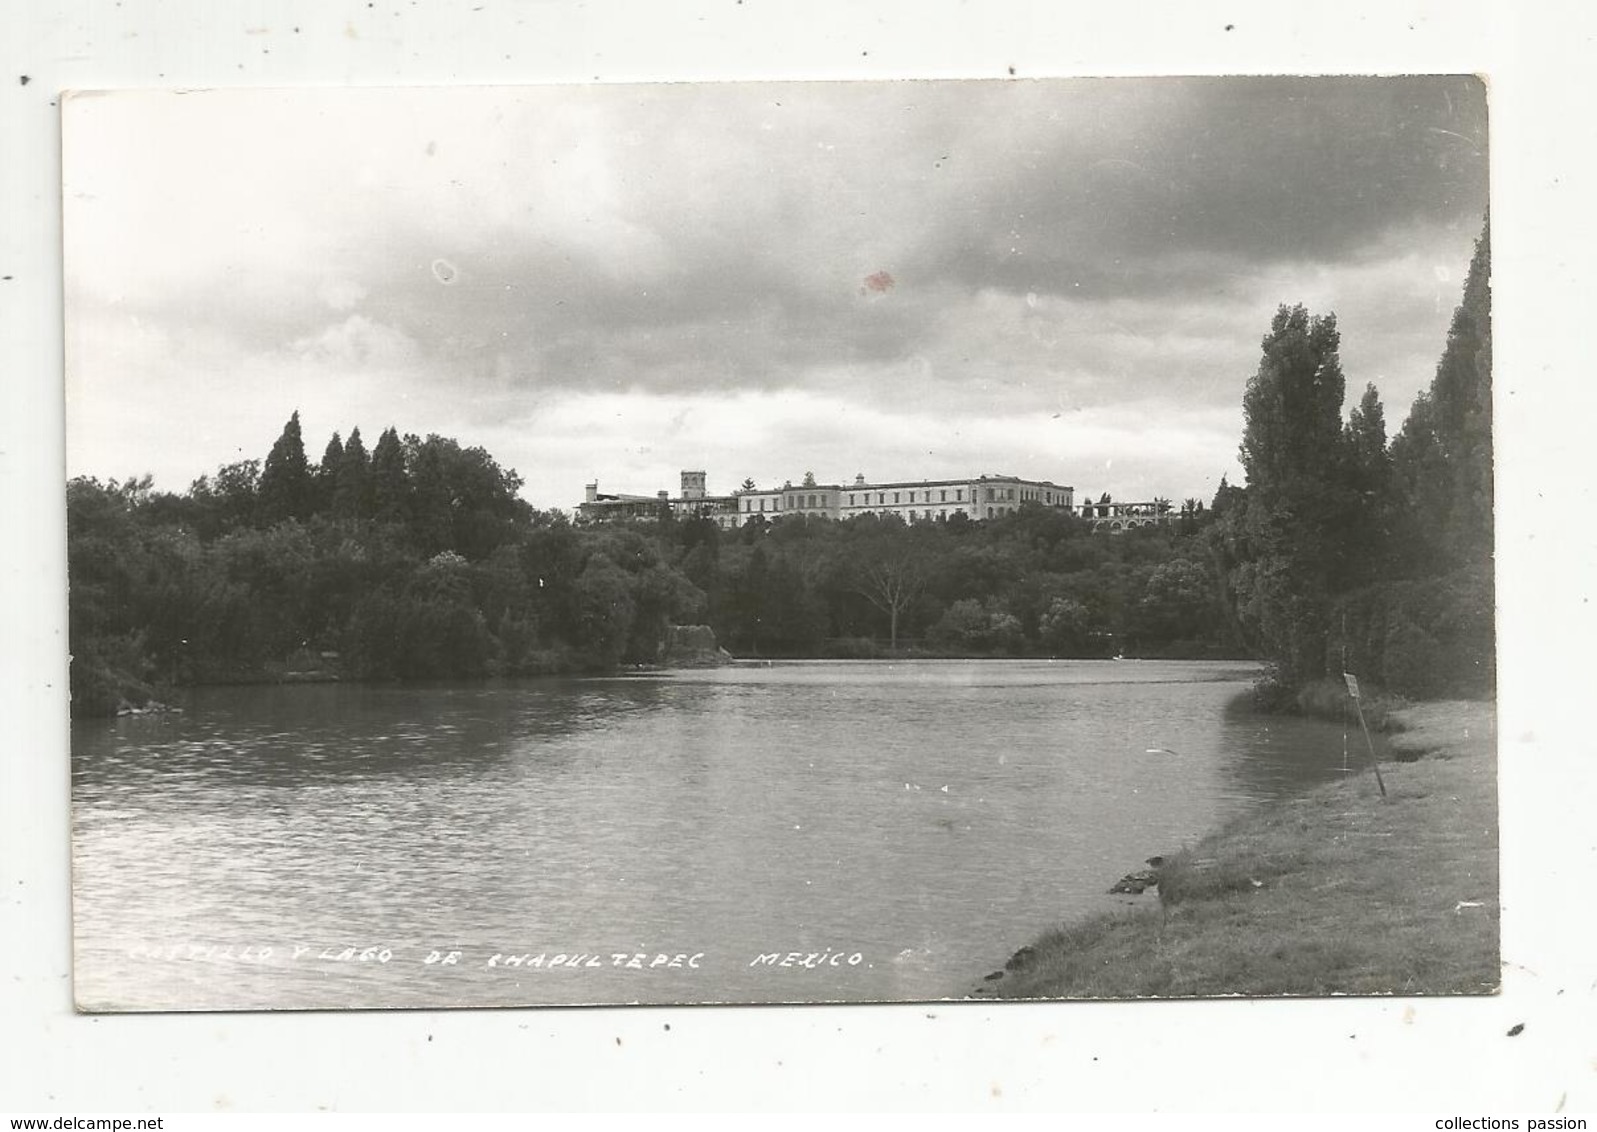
(1329, 892)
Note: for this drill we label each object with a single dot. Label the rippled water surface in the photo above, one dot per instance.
(900, 828)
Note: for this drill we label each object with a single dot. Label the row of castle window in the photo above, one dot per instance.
(914, 515)
(863, 499)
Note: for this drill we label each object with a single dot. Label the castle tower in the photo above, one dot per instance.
(693, 485)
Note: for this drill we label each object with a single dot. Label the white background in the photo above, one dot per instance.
(1434, 1056)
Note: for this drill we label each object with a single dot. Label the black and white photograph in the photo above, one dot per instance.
(890, 541)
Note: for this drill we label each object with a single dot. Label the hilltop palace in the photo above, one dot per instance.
(981, 497)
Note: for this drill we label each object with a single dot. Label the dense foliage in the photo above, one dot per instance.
(419, 561)
(1345, 553)
(1038, 582)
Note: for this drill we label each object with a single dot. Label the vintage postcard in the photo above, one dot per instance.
(780, 542)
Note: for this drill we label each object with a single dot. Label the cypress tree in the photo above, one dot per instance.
(390, 483)
(286, 487)
(431, 512)
(352, 496)
(326, 476)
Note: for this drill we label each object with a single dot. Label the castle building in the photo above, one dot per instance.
(1119, 517)
(914, 501)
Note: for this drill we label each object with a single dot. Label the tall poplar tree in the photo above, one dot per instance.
(1443, 455)
(1377, 527)
(1301, 515)
(1366, 435)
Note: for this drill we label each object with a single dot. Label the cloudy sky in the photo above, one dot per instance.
(1065, 280)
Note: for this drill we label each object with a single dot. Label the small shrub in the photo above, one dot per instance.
(855, 648)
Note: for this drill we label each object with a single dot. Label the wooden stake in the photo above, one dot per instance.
(1353, 690)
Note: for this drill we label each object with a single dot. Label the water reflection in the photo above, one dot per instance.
(288, 735)
(928, 817)
(1276, 754)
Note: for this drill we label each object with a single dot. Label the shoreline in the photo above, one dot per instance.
(1332, 891)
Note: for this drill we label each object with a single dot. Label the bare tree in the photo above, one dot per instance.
(891, 585)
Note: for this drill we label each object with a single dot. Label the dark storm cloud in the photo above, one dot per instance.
(752, 214)
(1165, 172)
(712, 317)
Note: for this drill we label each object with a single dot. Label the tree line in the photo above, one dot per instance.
(1037, 582)
(418, 560)
(1349, 553)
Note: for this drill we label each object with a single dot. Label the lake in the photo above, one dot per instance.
(806, 831)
